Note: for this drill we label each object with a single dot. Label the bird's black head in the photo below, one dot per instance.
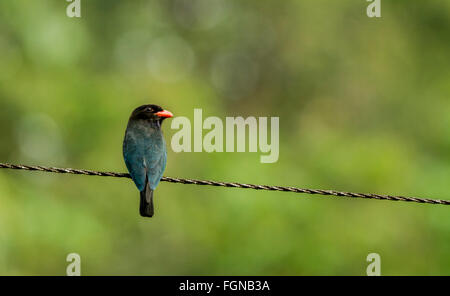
(151, 112)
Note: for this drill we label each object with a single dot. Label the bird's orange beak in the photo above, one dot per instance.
(164, 113)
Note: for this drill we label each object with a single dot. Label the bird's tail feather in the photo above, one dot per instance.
(146, 205)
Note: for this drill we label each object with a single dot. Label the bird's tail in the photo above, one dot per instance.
(146, 205)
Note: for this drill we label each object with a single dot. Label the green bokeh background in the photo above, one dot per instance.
(364, 106)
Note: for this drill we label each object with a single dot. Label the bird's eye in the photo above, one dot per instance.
(148, 110)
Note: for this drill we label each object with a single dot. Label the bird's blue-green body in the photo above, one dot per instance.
(144, 152)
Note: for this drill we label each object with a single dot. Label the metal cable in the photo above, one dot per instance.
(229, 184)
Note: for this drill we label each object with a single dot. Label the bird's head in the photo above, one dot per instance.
(151, 112)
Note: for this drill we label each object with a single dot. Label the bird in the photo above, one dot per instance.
(144, 152)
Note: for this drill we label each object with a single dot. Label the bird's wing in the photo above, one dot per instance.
(135, 162)
(156, 163)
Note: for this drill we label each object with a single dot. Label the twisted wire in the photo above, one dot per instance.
(230, 184)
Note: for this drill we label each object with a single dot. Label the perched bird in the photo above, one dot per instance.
(144, 152)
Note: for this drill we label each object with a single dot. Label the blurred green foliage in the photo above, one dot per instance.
(363, 104)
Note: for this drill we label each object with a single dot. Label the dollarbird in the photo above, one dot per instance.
(144, 152)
